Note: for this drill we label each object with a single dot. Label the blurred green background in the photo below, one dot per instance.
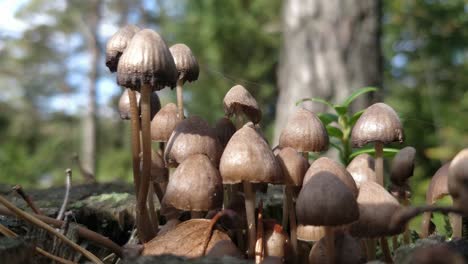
(48, 57)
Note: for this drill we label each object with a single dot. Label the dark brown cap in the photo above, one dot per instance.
(378, 123)
(164, 122)
(224, 129)
(185, 61)
(195, 185)
(438, 188)
(124, 104)
(458, 178)
(304, 132)
(147, 60)
(116, 45)
(247, 157)
(293, 165)
(347, 250)
(324, 200)
(362, 168)
(403, 165)
(238, 101)
(192, 135)
(335, 168)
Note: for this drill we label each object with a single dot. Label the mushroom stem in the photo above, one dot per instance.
(259, 247)
(197, 214)
(394, 243)
(330, 243)
(135, 134)
(379, 166)
(406, 233)
(152, 210)
(456, 225)
(284, 221)
(250, 213)
(426, 223)
(404, 215)
(180, 98)
(67, 195)
(292, 219)
(370, 245)
(385, 250)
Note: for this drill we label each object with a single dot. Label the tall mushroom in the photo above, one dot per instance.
(362, 169)
(146, 65)
(457, 179)
(116, 45)
(188, 69)
(379, 124)
(347, 248)
(247, 158)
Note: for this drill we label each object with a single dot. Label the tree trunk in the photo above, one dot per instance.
(90, 118)
(330, 48)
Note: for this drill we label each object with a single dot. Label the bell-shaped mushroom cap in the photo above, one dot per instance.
(164, 122)
(325, 200)
(195, 185)
(403, 165)
(124, 104)
(457, 179)
(310, 233)
(376, 208)
(347, 250)
(293, 165)
(276, 240)
(146, 61)
(239, 101)
(116, 45)
(304, 132)
(224, 129)
(362, 168)
(159, 173)
(185, 61)
(438, 187)
(247, 157)
(192, 136)
(378, 123)
(335, 168)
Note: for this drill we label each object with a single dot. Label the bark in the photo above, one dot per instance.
(330, 48)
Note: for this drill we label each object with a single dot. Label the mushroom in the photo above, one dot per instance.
(164, 122)
(195, 185)
(310, 233)
(326, 201)
(458, 189)
(124, 104)
(348, 250)
(145, 65)
(192, 136)
(238, 101)
(276, 241)
(188, 69)
(379, 124)
(116, 45)
(362, 169)
(224, 130)
(247, 158)
(439, 253)
(225, 248)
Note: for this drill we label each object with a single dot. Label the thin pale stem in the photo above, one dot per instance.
(259, 243)
(292, 220)
(385, 250)
(67, 194)
(35, 221)
(379, 166)
(456, 225)
(406, 233)
(180, 99)
(330, 244)
(250, 213)
(19, 190)
(370, 244)
(135, 134)
(426, 223)
(152, 210)
(285, 220)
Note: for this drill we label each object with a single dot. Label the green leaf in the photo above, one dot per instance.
(355, 117)
(335, 145)
(334, 132)
(340, 109)
(388, 152)
(356, 94)
(327, 118)
(313, 99)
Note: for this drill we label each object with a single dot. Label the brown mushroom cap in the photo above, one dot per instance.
(376, 208)
(304, 132)
(195, 185)
(185, 61)
(164, 123)
(116, 45)
(247, 157)
(335, 168)
(124, 104)
(325, 200)
(378, 123)
(438, 187)
(293, 165)
(159, 173)
(403, 165)
(146, 60)
(347, 250)
(457, 179)
(310, 233)
(239, 101)
(362, 168)
(224, 129)
(192, 136)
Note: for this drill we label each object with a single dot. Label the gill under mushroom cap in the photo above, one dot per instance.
(116, 45)
(185, 61)
(164, 123)
(304, 132)
(378, 123)
(239, 101)
(147, 61)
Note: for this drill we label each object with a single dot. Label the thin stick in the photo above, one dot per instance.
(19, 190)
(330, 244)
(82, 232)
(67, 195)
(385, 250)
(379, 166)
(153, 213)
(250, 213)
(285, 220)
(404, 215)
(292, 220)
(259, 251)
(35, 221)
(180, 98)
(135, 134)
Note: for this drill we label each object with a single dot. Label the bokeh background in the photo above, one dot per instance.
(57, 97)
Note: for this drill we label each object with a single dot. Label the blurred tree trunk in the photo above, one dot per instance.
(90, 118)
(330, 48)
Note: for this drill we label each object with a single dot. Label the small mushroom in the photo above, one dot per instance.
(276, 241)
(124, 104)
(403, 166)
(164, 123)
(348, 250)
(362, 169)
(116, 45)
(238, 101)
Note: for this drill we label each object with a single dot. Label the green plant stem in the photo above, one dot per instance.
(379, 166)
(250, 213)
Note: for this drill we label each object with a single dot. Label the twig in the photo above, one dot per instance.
(19, 190)
(404, 215)
(39, 223)
(67, 194)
